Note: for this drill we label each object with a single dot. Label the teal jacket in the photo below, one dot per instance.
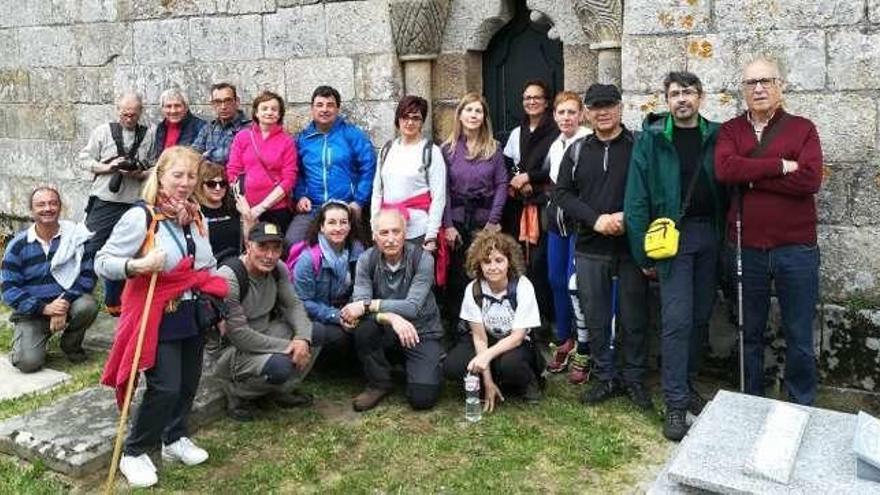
(653, 186)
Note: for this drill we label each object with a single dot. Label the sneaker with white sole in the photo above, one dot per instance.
(185, 451)
(138, 470)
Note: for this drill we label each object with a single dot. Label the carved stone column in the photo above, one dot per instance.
(417, 27)
(602, 21)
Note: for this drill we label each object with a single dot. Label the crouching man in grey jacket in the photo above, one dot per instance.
(393, 308)
(266, 346)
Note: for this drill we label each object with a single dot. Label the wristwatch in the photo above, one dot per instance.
(367, 303)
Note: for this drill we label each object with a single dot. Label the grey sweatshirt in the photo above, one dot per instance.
(408, 296)
(249, 320)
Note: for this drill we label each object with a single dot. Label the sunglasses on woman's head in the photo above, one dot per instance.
(216, 184)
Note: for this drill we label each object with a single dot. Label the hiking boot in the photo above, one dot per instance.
(369, 398)
(602, 391)
(238, 409)
(561, 356)
(532, 392)
(639, 396)
(77, 357)
(580, 369)
(675, 424)
(293, 399)
(696, 402)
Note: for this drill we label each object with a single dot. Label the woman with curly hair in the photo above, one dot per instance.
(500, 309)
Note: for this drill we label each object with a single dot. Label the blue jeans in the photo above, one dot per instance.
(687, 294)
(795, 272)
(560, 266)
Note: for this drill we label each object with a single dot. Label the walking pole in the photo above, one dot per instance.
(739, 290)
(123, 418)
(615, 285)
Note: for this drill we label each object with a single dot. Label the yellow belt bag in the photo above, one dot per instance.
(661, 239)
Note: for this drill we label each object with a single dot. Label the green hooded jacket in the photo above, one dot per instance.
(653, 187)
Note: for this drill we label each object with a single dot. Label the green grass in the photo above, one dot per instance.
(557, 446)
(20, 478)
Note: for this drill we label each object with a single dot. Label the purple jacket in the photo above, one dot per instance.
(474, 187)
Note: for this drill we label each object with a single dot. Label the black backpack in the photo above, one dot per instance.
(241, 275)
(479, 297)
(427, 155)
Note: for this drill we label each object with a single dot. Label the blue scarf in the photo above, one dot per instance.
(336, 261)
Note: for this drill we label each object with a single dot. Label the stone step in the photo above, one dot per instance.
(75, 435)
(712, 455)
(99, 336)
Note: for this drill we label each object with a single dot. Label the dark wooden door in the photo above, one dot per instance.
(520, 51)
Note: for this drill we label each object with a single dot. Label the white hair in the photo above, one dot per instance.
(130, 95)
(173, 94)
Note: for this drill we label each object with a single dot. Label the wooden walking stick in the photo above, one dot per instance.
(129, 388)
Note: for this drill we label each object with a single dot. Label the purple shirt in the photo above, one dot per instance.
(475, 187)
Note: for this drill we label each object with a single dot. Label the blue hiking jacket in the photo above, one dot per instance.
(337, 165)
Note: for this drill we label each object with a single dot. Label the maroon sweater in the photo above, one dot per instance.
(778, 209)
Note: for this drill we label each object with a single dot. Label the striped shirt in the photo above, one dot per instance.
(25, 280)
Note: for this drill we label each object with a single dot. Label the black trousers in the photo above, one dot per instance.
(101, 217)
(423, 362)
(171, 387)
(511, 371)
(594, 281)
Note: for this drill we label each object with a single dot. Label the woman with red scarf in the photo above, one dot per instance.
(264, 155)
(166, 235)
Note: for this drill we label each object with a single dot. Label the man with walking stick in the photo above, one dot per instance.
(672, 177)
(590, 188)
(775, 160)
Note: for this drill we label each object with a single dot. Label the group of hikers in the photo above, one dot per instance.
(235, 239)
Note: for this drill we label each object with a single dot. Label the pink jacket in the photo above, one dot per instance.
(278, 154)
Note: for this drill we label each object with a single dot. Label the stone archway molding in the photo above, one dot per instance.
(602, 21)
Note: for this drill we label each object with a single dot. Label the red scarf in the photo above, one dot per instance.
(183, 212)
(168, 286)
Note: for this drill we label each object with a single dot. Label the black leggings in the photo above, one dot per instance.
(512, 371)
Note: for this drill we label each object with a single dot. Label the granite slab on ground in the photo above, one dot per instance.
(14, 383)
(75, 435)
(713, 454)
(99, 336)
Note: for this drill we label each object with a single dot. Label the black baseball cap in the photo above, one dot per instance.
(264, 232)
(599, 95)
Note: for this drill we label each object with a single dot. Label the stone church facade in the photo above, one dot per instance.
(63, 62)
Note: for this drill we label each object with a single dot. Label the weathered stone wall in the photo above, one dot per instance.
(829, 50)
(63, 63)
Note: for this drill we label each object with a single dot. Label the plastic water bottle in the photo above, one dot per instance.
(473, 410)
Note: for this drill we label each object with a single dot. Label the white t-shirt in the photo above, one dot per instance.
(497, 314)
(402, 177)
(558, 148)
(511, 148)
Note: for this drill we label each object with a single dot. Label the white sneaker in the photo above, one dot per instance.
(185, 451)
(139, 471)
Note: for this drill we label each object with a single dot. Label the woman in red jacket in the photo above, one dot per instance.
(264, 158)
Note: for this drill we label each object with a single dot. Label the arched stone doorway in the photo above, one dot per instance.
(470, 27)
(519, 52)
